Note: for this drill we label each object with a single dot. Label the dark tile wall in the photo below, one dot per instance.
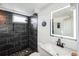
(33, 35)
(18, 37)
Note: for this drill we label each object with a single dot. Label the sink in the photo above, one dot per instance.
(55, 50)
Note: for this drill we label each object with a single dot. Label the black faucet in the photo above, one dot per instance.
(60, 44)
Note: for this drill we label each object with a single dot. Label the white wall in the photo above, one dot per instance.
(44, 32)
(77, 24)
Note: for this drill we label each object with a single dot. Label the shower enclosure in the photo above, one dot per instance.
(17, 32)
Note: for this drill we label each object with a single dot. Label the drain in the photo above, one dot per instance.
(27, 51)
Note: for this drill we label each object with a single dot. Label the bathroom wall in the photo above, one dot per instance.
(44, 32)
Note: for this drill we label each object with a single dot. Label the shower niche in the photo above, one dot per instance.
(17, 33)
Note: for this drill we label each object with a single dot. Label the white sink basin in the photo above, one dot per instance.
(55, 50)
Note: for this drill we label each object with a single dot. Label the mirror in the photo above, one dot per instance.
(63, 22)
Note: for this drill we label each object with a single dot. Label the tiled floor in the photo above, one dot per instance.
(24, 52)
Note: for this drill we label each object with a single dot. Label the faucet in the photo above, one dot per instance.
(60, 44)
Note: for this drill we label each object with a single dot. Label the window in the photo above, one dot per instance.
(19, 19)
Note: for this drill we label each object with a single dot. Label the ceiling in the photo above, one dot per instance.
(25, 7)
(28, 8)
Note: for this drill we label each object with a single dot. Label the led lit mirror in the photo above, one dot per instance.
(63, 22)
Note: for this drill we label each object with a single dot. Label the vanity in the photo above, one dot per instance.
(51, 49)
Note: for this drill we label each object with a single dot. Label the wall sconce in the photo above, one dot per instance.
(2, 19)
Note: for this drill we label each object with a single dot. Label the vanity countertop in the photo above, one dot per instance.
(55, 50)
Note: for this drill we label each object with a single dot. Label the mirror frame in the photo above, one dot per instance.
(74, 20)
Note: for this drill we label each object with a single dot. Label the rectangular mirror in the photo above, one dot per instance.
(63, 22)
